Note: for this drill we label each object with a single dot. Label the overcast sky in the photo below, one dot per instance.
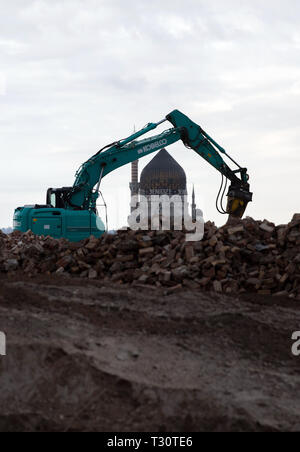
(78, 74)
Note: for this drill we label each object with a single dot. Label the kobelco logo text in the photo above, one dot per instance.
(150, 147)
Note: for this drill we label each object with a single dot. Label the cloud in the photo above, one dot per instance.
(77, 74)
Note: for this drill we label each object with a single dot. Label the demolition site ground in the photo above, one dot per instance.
(141, 331)
(88, 355)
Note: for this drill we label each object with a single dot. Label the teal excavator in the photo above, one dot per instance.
(71, 212)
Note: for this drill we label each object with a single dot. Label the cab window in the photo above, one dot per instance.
(53, 199)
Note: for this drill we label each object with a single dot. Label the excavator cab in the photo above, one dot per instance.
(57, 197)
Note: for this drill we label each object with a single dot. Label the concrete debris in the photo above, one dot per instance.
(249, 256)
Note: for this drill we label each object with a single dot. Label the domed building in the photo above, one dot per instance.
(161, 176)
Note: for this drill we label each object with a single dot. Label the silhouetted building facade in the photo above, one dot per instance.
(162, 176)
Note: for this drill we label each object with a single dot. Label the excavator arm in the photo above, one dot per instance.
(83, 195)
(194, 137)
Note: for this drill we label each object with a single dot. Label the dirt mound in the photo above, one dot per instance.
(147, 332)
(250, 256)
(86, 356)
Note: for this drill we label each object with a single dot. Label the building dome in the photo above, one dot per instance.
(163, 175)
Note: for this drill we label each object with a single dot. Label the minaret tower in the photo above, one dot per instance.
(194, 213)
(134, 184)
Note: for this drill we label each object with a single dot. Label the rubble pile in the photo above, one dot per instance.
(250, 256)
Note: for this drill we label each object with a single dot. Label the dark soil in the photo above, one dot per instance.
(87, 356)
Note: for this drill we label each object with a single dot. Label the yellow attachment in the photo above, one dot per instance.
(236, 207)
